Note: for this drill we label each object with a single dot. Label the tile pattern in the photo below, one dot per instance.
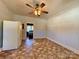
(39, 49)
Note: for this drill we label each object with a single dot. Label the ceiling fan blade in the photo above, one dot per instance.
(42, 5)
(29, 5)
(46, 12)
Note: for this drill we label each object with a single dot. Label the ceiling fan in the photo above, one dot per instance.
(38, 9)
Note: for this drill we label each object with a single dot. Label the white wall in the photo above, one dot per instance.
(64, 29)
(39, 25)
(5, 14)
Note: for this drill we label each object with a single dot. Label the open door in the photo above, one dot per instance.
(29, 32)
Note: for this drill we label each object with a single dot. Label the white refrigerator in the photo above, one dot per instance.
(11, 35)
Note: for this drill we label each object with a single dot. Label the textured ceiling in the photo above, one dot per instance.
(55, 7)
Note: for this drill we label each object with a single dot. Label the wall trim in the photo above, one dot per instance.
(40, 38)
(68, 47)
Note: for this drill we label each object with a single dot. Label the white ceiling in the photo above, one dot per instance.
(55, 7)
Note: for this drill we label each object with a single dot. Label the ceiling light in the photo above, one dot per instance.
(37, 11)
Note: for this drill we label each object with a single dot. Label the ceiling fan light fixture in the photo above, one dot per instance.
(38, 9)
(37, 12)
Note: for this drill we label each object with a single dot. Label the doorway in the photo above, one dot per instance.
(29, 32)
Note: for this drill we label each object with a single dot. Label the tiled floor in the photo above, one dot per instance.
(39, 49)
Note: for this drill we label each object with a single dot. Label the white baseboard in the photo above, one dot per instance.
(40, 38)
(68, 47)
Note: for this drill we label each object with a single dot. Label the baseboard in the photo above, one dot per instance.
(40, 38)
(68, 47)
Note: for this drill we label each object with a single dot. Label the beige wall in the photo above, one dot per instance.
(64, 29)
(5, 14)
(39, 25)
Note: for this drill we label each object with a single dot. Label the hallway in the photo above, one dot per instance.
(39, 49)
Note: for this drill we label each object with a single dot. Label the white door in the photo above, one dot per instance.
(10, 35)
